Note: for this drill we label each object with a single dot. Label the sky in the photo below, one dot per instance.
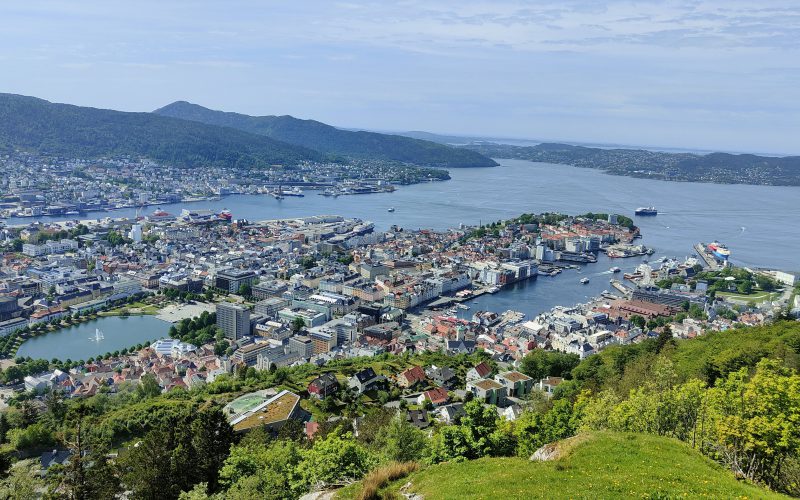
(709, 75)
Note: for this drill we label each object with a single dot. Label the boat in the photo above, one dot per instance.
(494, 289)
(615, 269)
(719, 251)
(584, 280)
(391, 209)
(225, 214)
(295, 191)
(645, 211)
(463, 306)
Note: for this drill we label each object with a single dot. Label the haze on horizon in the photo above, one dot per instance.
(704, 75)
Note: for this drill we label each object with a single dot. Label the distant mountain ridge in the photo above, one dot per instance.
(29, 123)
(327, 139)
(724, 168)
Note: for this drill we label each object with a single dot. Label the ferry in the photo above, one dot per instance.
(644, 211)
(584, 281)
(719, 251)
(225, 215)
(295, 191)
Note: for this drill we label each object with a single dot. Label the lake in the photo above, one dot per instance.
(78, 342)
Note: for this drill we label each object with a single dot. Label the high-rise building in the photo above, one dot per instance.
(233, 320)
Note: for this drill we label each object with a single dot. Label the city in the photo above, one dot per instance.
(412, 250)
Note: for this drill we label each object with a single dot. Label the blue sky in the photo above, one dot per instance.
(694, 74)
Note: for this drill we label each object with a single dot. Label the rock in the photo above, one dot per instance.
(319, 495)
(546, 453)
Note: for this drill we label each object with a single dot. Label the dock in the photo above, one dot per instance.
(709, 259)
(622, 288)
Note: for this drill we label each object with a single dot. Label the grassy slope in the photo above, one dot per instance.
(600, 465)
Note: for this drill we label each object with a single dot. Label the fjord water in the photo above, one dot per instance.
(758, 223)
(79, 341)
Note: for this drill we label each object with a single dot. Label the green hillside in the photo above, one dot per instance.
(597, 465)
(331, 140)
(33, 124)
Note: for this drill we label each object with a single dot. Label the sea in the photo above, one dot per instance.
(759, 224)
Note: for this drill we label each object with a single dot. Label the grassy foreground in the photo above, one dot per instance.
(597, 465)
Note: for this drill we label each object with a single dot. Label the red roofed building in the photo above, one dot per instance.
(411, 377)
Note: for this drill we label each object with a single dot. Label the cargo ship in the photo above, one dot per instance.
(225, 215)
(646, 211)
(719, 251)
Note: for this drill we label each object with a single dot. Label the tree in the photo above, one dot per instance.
(298, 324)
(539, 364)
(245, 290)
(335, 460)
(212, 439)
(148, 387)
(256, 470)
(400, 440)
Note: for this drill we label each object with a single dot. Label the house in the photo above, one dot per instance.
(323, 386)
(365, 380)
(488, 391)
(443, 376)
(548, 385)
(516, 383)
(450, 414)
(460, 346)
(437, 396)
(411, 377)
(480, 371)
(50, 458)
(510, 413)
(419, 418)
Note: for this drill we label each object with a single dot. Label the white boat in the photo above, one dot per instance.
(391, 209)
(615, 269)
(463, 306)
(584, 280)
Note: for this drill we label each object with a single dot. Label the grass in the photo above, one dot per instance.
(754, 297)
(372, 486)
(599, 465)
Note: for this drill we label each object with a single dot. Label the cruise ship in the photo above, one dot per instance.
(646, 211)
(719, 251)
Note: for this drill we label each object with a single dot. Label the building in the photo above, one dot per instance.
(248, 354)
(488, 391)
(301, 345)
(437, 397)
(480, 371)
(231, 280)
(365, 380)
(323, 386)
(270, 306)
(172, 347)
(516, 383)
(411, 377)
(548, 385)
(272, 414)
(233, 320)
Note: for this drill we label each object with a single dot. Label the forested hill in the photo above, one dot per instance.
(715, 167)
(32, 124)
(331, 140)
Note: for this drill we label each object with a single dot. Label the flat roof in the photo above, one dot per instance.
(276, 409)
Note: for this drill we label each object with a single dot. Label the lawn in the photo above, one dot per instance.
(754, 297)
(599, 465)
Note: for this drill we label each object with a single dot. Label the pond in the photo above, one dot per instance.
(82, 342)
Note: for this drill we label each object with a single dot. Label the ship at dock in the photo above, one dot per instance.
(719, 251)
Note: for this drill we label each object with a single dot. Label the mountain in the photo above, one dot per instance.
(33, 124)
(722, 168)
(594, 465)
(331, 140)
